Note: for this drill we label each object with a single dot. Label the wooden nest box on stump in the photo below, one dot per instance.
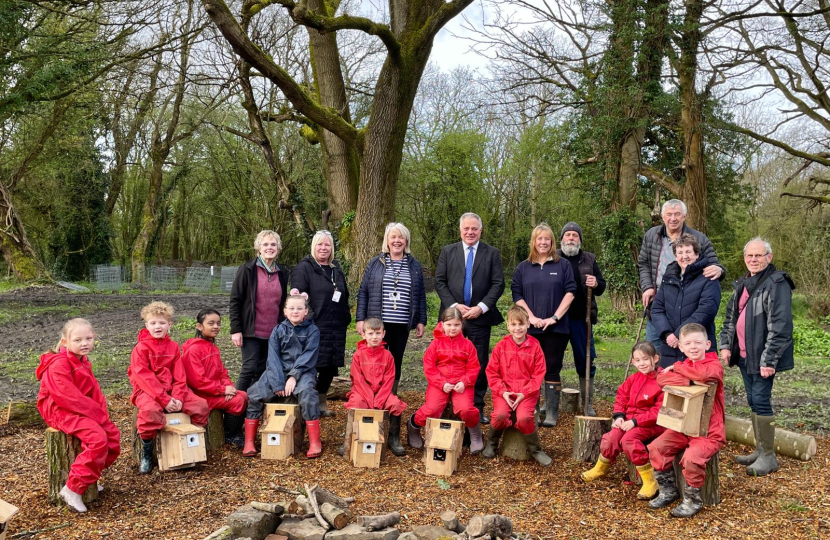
(7, 512)
(279, 432)
(366, 432)
(686, 409)
(442, 446)
(181, 444)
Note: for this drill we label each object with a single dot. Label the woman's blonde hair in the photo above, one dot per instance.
(70, 325)
(318, 237)
(401, 228)
(261, 236)
(539, 229)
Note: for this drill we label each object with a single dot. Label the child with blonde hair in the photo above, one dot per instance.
(70, 400)
(159, 381)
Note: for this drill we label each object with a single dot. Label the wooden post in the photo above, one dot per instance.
(61, 451)
(588, 432)
(215, 430)
(710, 492)
(586, 399)
(513, 445)
(570, 401)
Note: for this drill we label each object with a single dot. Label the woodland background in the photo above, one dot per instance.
(138, 132)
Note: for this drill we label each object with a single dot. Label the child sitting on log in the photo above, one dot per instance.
(638, 401)
(451, 368)
(208, 377)
(700, 367)
(291, 370)
(515, 373)
(373, 376)
(70, 400)
(159, 381)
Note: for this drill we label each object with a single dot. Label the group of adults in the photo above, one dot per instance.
(679, 276)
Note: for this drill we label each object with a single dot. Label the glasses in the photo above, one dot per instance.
(753, 256)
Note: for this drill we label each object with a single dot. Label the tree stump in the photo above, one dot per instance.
(24, 413)
(710, 492)
(588, 432)
(136, 444)
(513, 445)
(61, 451)
(491, 525)
(569, 401)
(633, 475)
(215, 430)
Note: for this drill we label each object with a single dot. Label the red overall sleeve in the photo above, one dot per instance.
(145, 378)
(538, 374)
(493, 371)
(179, 376)
(701, 372)
(66, 395)
(386, 383)
(473, 367)
(649, 417)
(359, 382)
(621, 403)
(431, 372)
(672, 378)
(194, 367)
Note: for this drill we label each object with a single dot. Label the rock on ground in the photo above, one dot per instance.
(301, 529)
(353, 531)
(431, 532)
(247, 521)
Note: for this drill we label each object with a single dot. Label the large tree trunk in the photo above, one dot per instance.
(17, 251)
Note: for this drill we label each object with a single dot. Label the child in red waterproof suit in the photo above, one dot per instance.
(638, 401)
(700, 367)
(515, 373)
(208, 378)
(451, 368)
(373, 375)
(70, 400)
(159, 381)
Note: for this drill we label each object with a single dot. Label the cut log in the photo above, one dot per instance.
(315, 507)
(24, 414)
(336, 517)
(340, 386)
(450, 520)
(215, 430)
(787, 443)
(514, 445)
(588, 432)
(61, 451)
(569, 401)
(492, 525)
(710, 492)
(136, 445)
(324, 495)
(300, 505)
(376, 523)
(271, 508)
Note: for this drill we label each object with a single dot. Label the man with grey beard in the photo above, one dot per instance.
(586, 274)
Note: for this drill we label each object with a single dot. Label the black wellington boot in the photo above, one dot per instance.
(668, 489)
(395, 436)
(146, 465)
(765, 437)
(492, 445)
(691, 505)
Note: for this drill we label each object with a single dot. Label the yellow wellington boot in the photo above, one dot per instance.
(600, 469)
(650, 487)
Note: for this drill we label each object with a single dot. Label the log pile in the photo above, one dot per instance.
(318, 514)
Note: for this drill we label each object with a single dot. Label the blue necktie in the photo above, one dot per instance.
(468, 277)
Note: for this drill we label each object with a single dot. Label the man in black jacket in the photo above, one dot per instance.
(757, 336)
(469, 276)
(587, 275)
(656, 254)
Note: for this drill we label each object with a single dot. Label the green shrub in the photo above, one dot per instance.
(810, 339)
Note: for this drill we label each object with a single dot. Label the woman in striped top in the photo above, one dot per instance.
(393, 290)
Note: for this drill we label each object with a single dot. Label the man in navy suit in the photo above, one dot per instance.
(469, 277)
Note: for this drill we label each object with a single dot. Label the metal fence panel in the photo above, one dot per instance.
(108, 277)
(165, 278)
(198, 278)
(226, 278)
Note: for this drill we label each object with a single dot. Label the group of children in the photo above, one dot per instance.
(195, 381)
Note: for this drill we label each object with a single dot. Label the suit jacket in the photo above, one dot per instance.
(488, 280)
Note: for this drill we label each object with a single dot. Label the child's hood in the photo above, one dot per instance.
(438, 333)
(364, 347)
(47, 359)
(526, 343)
(197, 343)
(145, 335)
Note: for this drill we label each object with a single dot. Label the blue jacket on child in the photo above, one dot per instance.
(292, 352)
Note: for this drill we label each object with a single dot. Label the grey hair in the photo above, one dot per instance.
(401, 228)
(261, 236)
(471, 215)
(767, 246)
(318, 237)
(674, 202)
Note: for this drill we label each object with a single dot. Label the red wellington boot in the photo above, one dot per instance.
(251, 427)
(315, 446)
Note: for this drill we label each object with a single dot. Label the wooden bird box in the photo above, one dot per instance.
(686, 409)
(7, 512)
(281, 434)
(181, 444)
(442, 446)
(366, 436)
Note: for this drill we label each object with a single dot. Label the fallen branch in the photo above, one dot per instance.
(492, 525)
(326, 496)
(336, 516)
(376, 523)
(313, 502)
(33, 532)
